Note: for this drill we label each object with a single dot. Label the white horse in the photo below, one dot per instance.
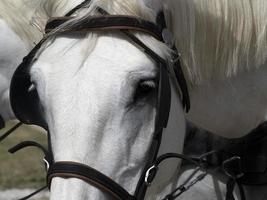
(87, 90)
(93, 102)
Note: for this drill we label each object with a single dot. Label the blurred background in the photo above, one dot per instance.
(23, 172)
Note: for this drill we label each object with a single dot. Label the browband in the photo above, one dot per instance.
(107, 22)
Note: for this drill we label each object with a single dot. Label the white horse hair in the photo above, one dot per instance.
(223, 48)
(21, 16)
(219, 38)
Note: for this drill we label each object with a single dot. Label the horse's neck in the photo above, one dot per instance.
(11, 53)
(231, 107)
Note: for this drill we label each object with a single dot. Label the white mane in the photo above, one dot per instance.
(20, 16)
(219, 38)
(133, 7)
(216, 38)
(28, 17)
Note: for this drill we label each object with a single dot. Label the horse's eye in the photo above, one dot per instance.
(144, 89)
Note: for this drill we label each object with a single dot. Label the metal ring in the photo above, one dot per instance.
(237, 176)
(148, 173)
(47, 165)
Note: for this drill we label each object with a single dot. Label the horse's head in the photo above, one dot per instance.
(98, 97)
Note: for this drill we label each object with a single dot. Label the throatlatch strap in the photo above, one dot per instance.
(68, 169)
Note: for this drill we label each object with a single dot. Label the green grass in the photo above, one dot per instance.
(25, 169)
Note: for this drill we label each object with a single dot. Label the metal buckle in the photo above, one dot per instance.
(227, 172)
(47, 165)
(148, 174)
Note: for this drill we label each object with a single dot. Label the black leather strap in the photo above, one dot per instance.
(67, 169)
(107, 22)
(25, 144)
(164, 99)
(8, 132)
(161, 23)
(181, 81)
(34, 193)
(161, 121)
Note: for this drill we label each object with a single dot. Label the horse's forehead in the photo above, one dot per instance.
(112, 54)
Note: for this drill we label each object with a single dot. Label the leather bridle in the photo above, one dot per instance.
(68, 169)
